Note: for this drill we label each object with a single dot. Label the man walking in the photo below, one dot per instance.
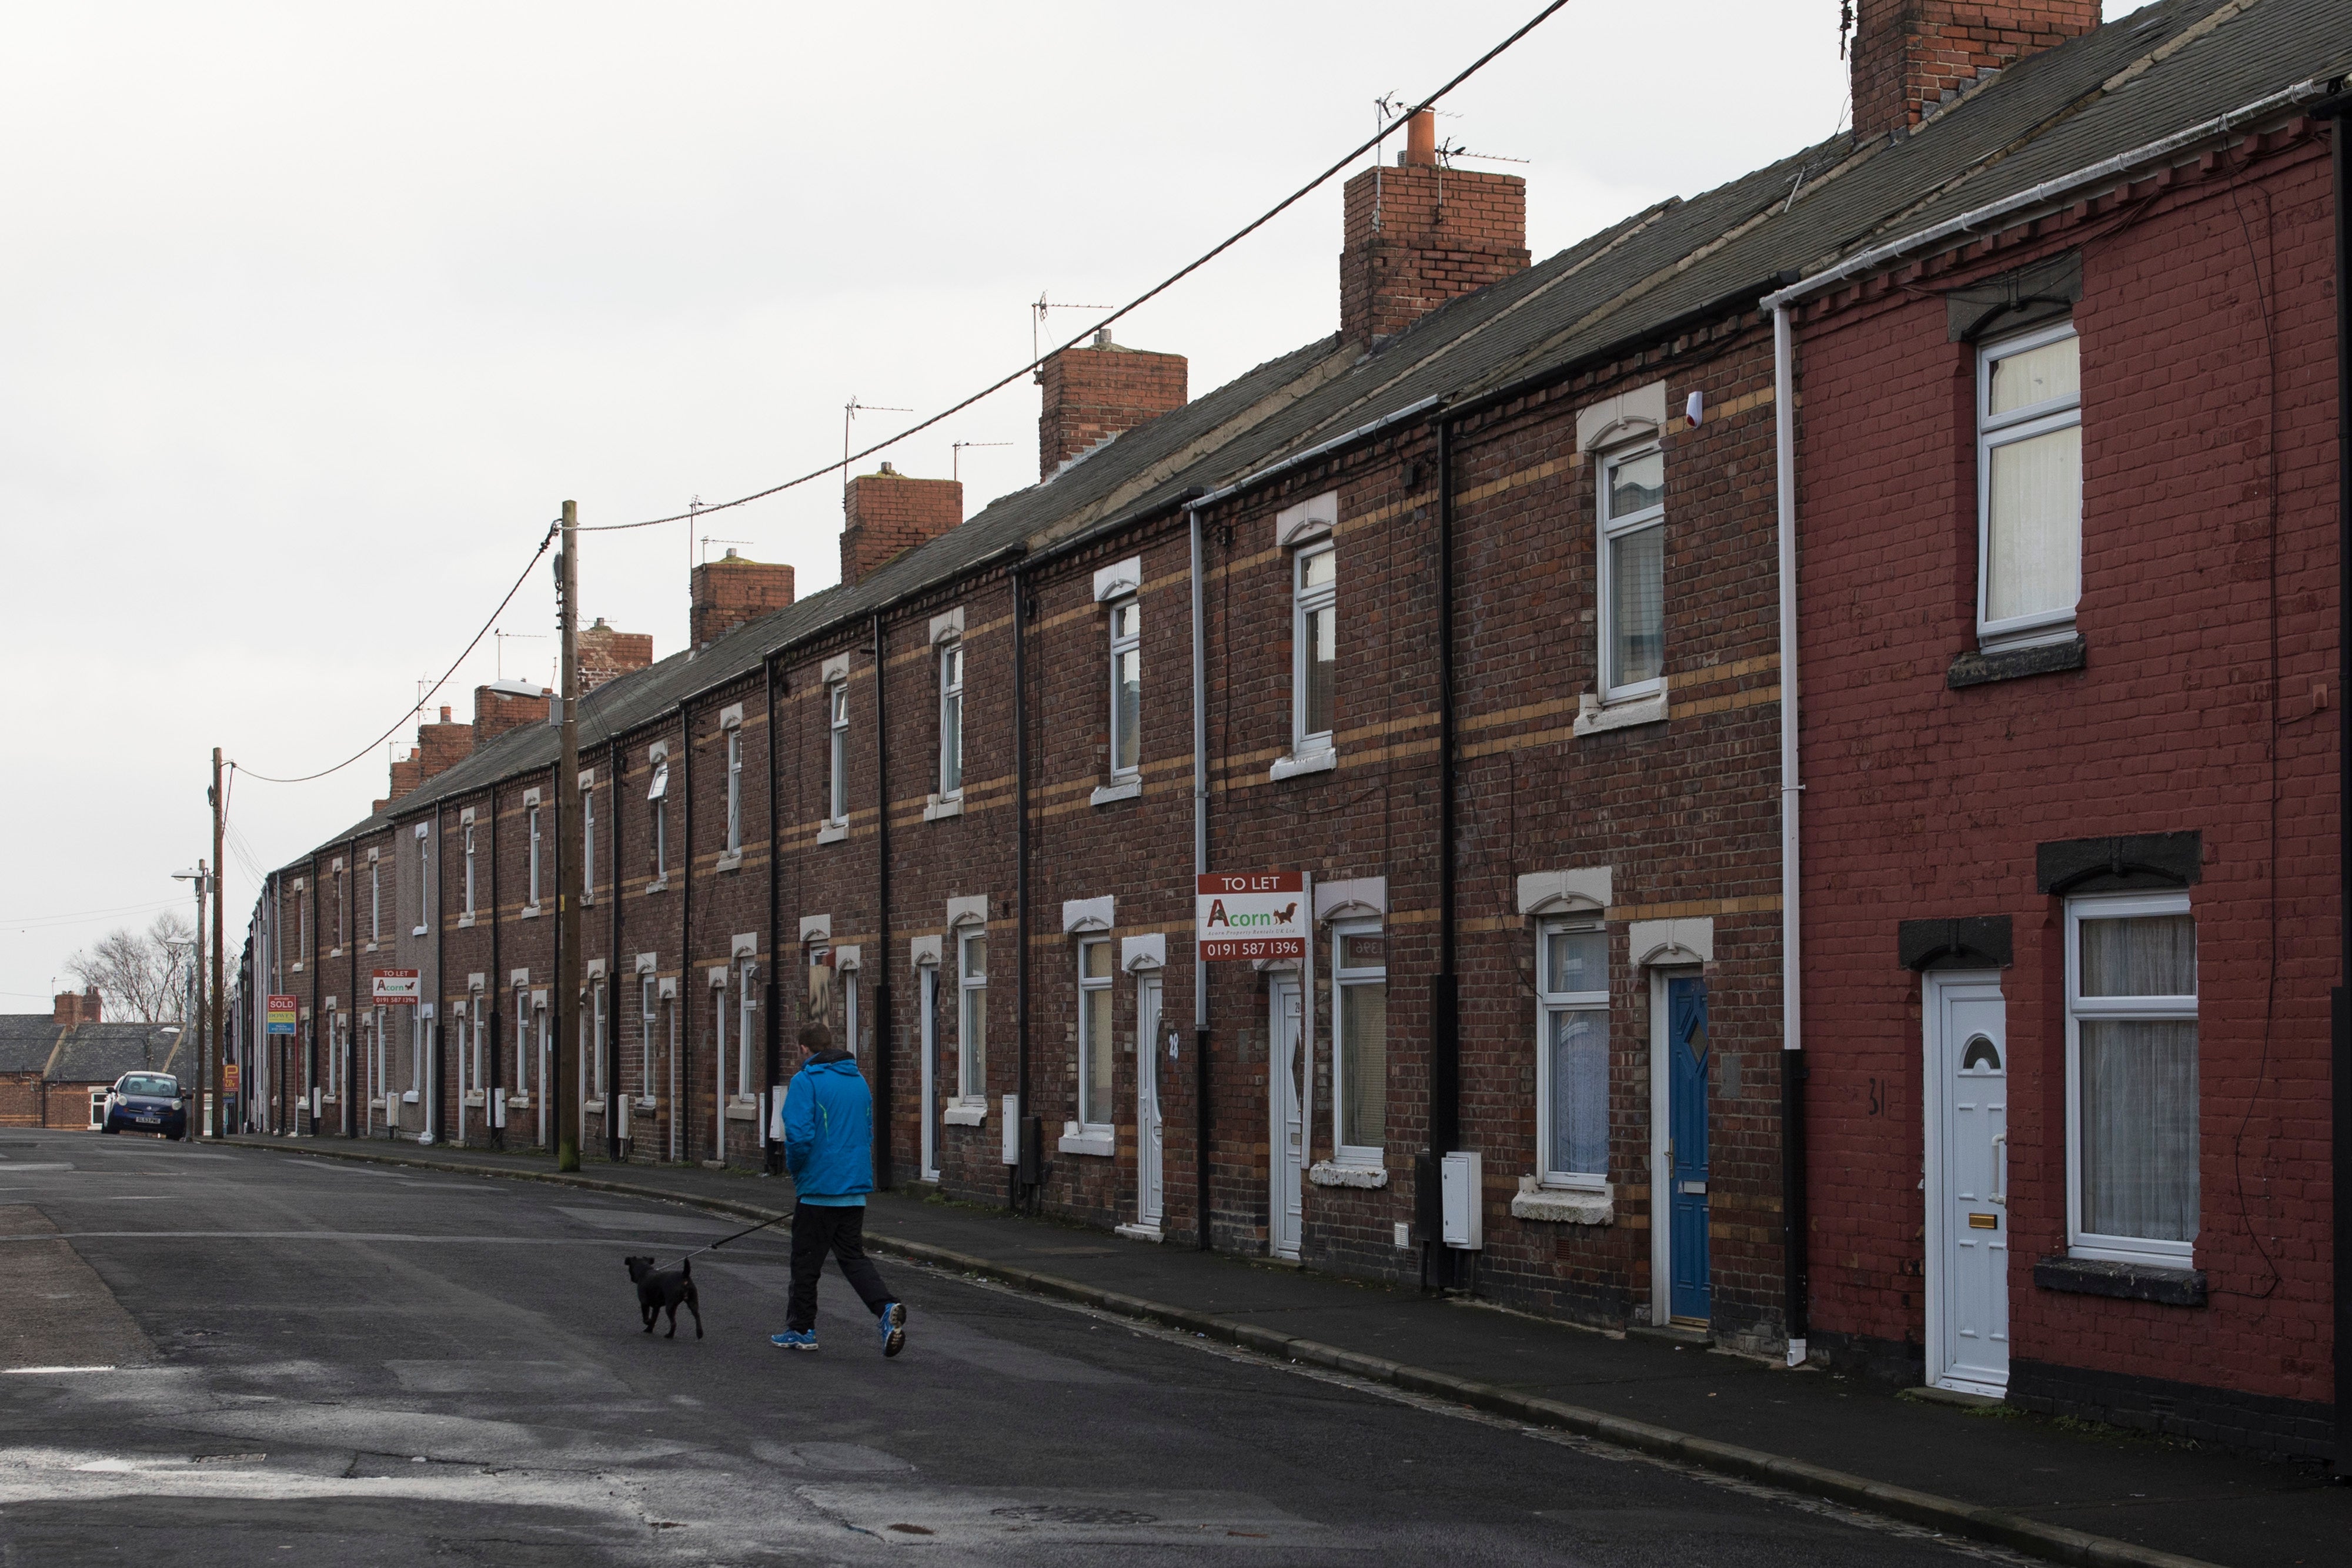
(829, 1149)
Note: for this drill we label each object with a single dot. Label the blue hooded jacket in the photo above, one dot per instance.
(829, 1131)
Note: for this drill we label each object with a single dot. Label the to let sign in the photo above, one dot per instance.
(281, 1014)
(1251, 914)
(393, 988)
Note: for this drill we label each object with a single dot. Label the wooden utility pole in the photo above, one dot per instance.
(567, 912)
(218, 1019)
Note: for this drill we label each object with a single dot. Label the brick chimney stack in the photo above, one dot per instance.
(731, 591)
(506, 705)
(1910, 55)
(1097, 391)
(606, 654)
(1420, 234)
(890, 513)
(71, 1009)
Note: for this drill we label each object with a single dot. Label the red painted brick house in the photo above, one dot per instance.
(2067, 499)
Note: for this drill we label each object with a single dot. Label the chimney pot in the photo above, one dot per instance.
(1421, 137)
(444, 713)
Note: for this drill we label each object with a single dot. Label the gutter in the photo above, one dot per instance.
(1320, 449)
(2049, 190)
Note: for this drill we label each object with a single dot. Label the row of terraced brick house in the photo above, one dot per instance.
(2003, 428)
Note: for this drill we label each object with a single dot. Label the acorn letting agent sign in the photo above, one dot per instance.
(393, 988)
(1260, 914)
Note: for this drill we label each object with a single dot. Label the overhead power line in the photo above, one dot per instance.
(1190, 268)
(545, 540)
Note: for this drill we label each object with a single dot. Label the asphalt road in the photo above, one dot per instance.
(321, 1362)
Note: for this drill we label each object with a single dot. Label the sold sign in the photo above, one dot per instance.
(1251, 914)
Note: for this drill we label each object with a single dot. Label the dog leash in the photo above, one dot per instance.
(725, 1240)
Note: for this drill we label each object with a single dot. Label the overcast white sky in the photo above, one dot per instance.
(316, 314)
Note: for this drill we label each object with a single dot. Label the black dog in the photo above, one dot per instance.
(666, 1289)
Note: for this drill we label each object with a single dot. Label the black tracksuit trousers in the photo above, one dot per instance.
(819, 1228)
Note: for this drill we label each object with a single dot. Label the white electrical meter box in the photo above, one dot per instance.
(1460, 1184)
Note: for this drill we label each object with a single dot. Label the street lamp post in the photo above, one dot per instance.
(200, 878)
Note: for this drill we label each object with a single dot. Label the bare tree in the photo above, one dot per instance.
(139, 974)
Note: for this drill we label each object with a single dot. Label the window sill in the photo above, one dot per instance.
(369, 948)
(832, 833)
(1321, 761)
(729, 863)
(1563, 1206)
(1977, 669)
(334, 952)
(474, 1098)
(660, 884)
(1120, 790)
(1099, 1142)
(648, 1105)
(964, 1116)
(739, 1112)
(518, 1101)
(409, 1098)
(1327, 1173)
(1593, 715)
(296, 967)
(420, 931)
(465, 923)
(527, 911)
(939, 810)
(2125, 1281)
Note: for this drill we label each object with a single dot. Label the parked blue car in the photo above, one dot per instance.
(147, 1103)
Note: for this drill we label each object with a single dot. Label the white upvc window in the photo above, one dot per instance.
(735, 791)
(375, 901)
(1631, 608)
(1097, 1058)
(2131, 1078)
(657, 797)
(302, 926)
(420, 1030)
(972, 1033)
(587, 843)
(1359, 1081)
(837, 789)
(338, 909)
(646, 991)
(469, 871)
(718, 1035)
(747, 1003)
(1126, 688)
(531, 813)
(478, 1023)
(950, 721)
(1315, 648)
(2028, 488)
(1573, 1053)
(847, 980)
(338, 1039)
(424, 880)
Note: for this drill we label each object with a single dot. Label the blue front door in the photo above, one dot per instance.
(1687, 1071)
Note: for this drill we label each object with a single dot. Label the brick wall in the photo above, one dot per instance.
(1418, 235)
(605, 654)
(889, 513)
(730, 591)
(1096, 392)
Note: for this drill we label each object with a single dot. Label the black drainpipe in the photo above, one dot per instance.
(685, 933)
(882, 1162)
(617, 1105)
(773, 1000)
(1022, 1172)
(497, 988)
(433, 1122)
(2341, 1073)
(1444, 1012)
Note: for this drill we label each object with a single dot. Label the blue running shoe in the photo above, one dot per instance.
(794, 1339)
(893, 1325)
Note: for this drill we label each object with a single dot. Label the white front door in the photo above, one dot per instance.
(928, 1028)
(1286, 1081)
(1968, 1182)
(1149, 1197)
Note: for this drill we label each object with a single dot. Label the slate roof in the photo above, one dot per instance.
(2160, 69)
(87, 1053)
